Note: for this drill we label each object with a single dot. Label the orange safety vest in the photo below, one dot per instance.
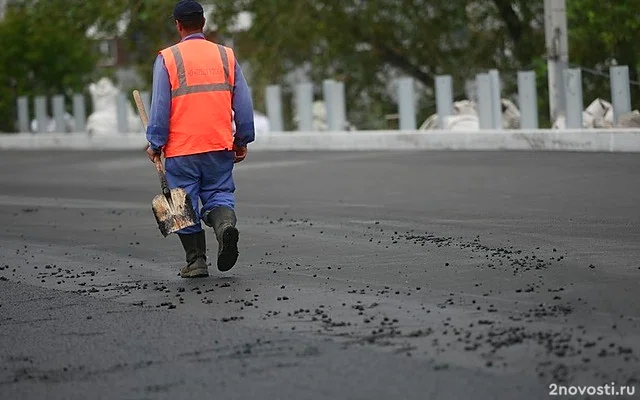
(201, 74)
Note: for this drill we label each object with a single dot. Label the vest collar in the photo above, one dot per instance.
(193, 36)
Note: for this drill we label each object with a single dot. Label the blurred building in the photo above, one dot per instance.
(115, 50)
(4, 5)
(114, 53)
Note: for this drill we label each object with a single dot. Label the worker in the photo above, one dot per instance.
(198, 93)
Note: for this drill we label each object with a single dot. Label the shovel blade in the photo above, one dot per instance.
(175, 215)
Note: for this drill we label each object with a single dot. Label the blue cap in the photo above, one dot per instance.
(187, 10)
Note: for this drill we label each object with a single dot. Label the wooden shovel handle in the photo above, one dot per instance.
(145, 121)
(141, 111)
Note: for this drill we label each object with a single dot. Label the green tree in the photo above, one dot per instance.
(602, 34)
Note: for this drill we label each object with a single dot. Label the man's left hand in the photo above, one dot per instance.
(240, 153)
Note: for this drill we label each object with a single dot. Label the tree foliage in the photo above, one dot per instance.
(602, 34)
(368, 44)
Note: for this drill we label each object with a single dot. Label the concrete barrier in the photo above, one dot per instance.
(605, 140)
(71, 141)
(579, 140)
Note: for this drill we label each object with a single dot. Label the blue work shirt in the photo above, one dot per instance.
(158, 128)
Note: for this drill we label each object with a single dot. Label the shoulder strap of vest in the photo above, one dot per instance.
(225, 64)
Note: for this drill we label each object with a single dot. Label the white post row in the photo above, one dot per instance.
(43, 119)
(488, 102)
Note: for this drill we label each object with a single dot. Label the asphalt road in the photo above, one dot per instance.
(404, 275)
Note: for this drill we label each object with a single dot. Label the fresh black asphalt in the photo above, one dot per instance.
(408, 275)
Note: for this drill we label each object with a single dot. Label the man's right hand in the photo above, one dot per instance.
(240, 153)
(153, 156)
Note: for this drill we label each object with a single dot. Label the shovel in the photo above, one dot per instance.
(173, 208)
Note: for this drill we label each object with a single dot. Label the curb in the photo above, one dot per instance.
(586, 140)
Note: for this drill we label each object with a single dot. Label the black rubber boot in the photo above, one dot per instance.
(223, 221)
(195, 248)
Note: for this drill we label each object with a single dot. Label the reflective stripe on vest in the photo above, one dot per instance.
(184, 88)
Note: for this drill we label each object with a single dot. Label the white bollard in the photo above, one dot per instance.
(79, 113)
(146, 100)
(41, 113)
(573, 93)
(444, 98)
(58, 113)
(274, 107)
(620, 91)
(496, 99)
(339, 106)
(485, 101)
(121, 110)
(23, 114)
(528, 100)
(406, 104)
(304, 106)
(329, 104)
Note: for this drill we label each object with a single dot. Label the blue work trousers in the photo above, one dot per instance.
(208, 180)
